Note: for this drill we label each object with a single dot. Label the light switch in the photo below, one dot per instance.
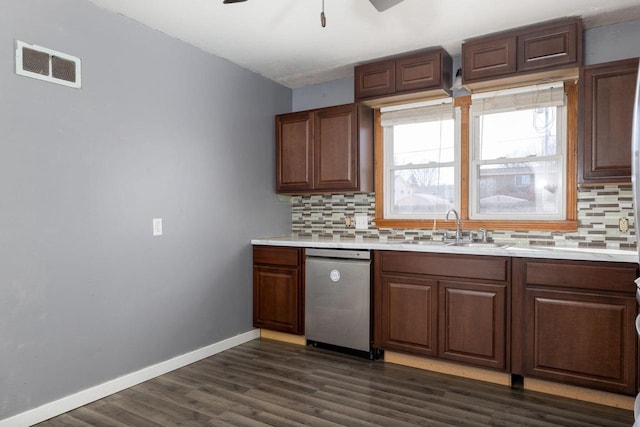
(361, 222)
(157, 226)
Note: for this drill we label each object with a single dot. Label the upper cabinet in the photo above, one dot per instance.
(545, 51)
(325, 150)
(416, 76)
(607, 95)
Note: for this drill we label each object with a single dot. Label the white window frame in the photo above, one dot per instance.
(560, 156)
(389, 169)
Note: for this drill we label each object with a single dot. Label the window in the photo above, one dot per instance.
(517, 155)
(505, 160)
(421, 161)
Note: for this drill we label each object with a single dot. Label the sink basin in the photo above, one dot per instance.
(421, 242)
(480, 245)
(428, 242)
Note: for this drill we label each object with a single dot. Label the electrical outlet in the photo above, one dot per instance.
(361, 222)
(157, 226)
(623, 224)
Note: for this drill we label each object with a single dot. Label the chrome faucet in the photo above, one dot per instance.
(458, 230)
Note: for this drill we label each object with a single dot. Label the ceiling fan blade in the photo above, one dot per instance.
(232, 1)
(383, 5)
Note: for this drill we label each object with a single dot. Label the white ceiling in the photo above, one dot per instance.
(283, 40)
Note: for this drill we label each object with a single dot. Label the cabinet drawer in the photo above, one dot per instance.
(271, 255)
(463, 266)
(581, 274)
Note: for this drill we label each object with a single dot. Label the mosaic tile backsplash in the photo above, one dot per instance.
(599, 210)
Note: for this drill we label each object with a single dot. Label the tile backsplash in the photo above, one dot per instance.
(599, 210)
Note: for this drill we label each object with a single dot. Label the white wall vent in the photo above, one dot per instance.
(46, 64)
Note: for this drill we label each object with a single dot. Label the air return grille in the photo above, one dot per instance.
(45, 64)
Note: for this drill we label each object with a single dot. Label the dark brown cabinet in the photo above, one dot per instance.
(375, 80)
(473, 323)
(577, 324)
(278, 289)
(488, 57)
(325, 150)
(453, 307)
(554, 49)
(294, 151)
(607, 95)
(550, 46)
(404, 78)
(408, 320)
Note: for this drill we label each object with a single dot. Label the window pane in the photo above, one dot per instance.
(423, 191)
(423, 143)
(520, 133)
(531, 188)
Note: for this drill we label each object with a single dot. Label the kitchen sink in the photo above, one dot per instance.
(460, 244)
(428, 242)
(479, 245)
(421, 242)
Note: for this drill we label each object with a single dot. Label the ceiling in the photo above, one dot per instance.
(284, 41)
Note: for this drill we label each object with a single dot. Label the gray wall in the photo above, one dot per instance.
(321, 95)
(602, 44)
(612, 42)
(159, 129)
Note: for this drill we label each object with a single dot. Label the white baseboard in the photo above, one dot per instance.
(76, 400)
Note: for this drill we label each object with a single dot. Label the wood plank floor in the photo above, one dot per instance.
(266, 383)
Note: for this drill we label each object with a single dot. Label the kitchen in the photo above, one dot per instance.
(89, 294)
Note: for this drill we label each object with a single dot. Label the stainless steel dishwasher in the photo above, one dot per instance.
(338, 298)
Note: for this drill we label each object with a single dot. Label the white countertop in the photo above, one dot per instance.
(508, 249)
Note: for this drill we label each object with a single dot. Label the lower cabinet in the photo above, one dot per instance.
(278, 289)
(571, 322)
(409, 309)
(472, 319)
(577, 324)
(452, 307)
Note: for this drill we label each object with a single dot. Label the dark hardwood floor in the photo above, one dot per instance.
(264, 383)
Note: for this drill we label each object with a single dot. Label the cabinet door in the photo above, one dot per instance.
(408, 315)
(473, 323)
(550, 47)
(488, 57)
(375, 79)
(607, 92)
(336, 148)
(276, 299)
(582, 339)
(418, 72)
(294, 152)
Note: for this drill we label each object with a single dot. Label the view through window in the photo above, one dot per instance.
(420, 160)
(517, 155)
(496, 156)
